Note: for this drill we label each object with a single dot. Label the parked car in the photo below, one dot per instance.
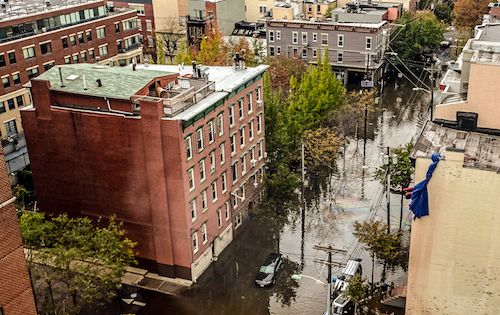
(269, 271)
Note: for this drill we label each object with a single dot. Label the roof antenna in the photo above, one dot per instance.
(61, 76)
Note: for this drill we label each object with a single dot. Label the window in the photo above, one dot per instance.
(29, 52)
(340, 40)
(204, 235)
(224, 182)
(234, 170)
(261, 150)
(315, 37)
(11, 103)
(64, 41)
(252, 154)
(211, 131)
(117, 27)
(67, 60)
(222, 153)
(237, 220)
(259, 123)
(278, 50)
(5, 82)
(88, 34)
(199, 139)
(340, 57)
(191, 179)
(75, 58)
(258, 95)
(231, 115)
(149, 25)
(2, 107)
(33, 72)
(368, 43)
(103, 50)
(250, 130)
(48, 65)
(212, 161)
(2, 60)
(295, 37)
(193, 209)
(137, 7)
(204, 203)
(202, 170)
(271, 36)
(194, 237)
(295, 52)
(227, 210)
(72, 40)
(220, 124)
(11, 127)
(83, 56)
(278, 35)
(119, 45)
(12, 57)
(243, 161)
(242, 136)
(16, 78)
(271, 51)
(91, 54)
(219, 217)
(324, 39)
(262, 9)
(304, 53)
(304, 38)
(315, 53)
(214, 191)
(250, 102)
(20, 101)
(80, 38)
(240, 108)
(233, 143)
(101, 32)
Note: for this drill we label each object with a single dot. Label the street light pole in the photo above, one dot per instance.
(432, 91)
(388, 192)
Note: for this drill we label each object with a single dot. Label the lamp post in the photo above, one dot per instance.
(430, 91)
(329, 287)
(387, 160)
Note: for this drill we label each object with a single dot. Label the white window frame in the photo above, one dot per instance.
(295, 38)
(199, 139)
(243, 161)
(189, 147)
(304, 42)
(224, 182)
(235, 172)
(222, 153)
(231, 115)
(220, 124)
(340, 57)
(213, 161)
(191, 179)
(233, 143)
(340, 40)
(315, 53)
(241, 108)
(214, 191)
(368, 42)
(203, 171)
(271, 36)
(226, 210)
(250, 131)
(261, 150)
(194, 215)
(325, 35)
(219, 217)
(194, 242)
(204, 234)
(278, 35)
(259, 123)
(204, 201)
(315, 37)
(250, 102)
(211, 132)
(242, 136)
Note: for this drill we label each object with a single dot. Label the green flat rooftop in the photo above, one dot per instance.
(117, 82)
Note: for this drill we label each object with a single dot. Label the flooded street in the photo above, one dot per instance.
(227, 287)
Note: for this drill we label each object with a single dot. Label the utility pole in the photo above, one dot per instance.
(303, 214)
(433, 83)
(388, 191)
(330, 250)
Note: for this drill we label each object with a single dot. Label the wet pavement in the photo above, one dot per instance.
(227, 286)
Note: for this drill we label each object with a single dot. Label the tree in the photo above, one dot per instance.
(469, 13)
(443, 12)
(214, 51)
(167, 40)
(356, 290)
(422, 33)
(281, 69)
(314, 98)
(84, 261)
(400, 172)
(24, 191)
(322, 146)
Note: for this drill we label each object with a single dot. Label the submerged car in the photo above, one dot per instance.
(269, 271)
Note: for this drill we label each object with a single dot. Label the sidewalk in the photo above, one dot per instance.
(141, 278)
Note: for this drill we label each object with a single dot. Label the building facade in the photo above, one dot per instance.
(408, 5)
(61, 34)
(352, 47)
(179, 158)
(16, 294)
(453, 265)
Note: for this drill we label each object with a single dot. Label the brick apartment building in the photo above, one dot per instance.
(16, 295)
(178, 158)
(35, 35)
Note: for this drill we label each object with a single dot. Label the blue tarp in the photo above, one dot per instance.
(419, 197)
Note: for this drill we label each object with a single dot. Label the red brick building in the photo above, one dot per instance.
(178, 158)
(16, 295)
(35, 35)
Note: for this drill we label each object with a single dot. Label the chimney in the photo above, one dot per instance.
(61, 76)
(99, 82)
(133, 66)
(242, 59)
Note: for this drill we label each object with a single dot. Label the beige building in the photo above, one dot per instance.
(454, 265)
(257, 9)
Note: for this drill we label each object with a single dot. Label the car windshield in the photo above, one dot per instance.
(267, 269)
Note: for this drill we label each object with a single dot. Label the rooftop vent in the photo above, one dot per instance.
(99, 82)
(72, 77)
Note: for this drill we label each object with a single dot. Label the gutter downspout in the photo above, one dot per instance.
(114, 110)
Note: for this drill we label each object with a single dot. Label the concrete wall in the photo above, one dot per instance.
(454, 258)
(252, 13)
(228, 13)
(482, 93)
(167, 13)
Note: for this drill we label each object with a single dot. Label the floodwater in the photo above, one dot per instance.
(227, 286)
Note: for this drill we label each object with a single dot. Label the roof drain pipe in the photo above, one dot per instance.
(114, 110)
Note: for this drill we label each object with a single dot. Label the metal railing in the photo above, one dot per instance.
(454, 98)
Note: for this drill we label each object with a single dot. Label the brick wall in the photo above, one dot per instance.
(16, 295)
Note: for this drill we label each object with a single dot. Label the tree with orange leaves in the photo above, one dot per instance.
(469, 13)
